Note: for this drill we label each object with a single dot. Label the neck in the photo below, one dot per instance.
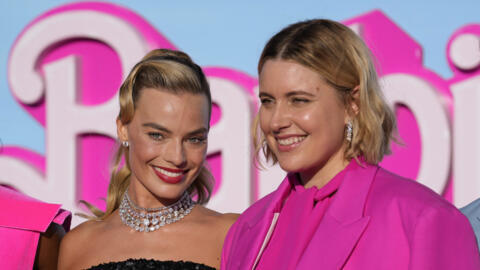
(142, 197)
(319, 177)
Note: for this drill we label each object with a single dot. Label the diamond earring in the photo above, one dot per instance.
(349, 131)
(125, 144)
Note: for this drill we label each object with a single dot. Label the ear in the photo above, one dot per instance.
(355, 100)
(122, 131)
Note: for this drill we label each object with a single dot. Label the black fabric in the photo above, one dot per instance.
(144, 264)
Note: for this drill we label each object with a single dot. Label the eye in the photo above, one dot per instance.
(155, 135)
(298, 100)
(266, 101)
(197, 140)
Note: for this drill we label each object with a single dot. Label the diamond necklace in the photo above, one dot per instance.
(151, 219)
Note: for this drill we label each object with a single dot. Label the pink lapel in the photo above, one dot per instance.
(22, 212)
(251, 237)
(344, 221)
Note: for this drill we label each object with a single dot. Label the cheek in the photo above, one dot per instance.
(321, 117)
(197, 156)
(309, 117)
(264, 120)
(309, 120)
(143, 151)
(328, 124)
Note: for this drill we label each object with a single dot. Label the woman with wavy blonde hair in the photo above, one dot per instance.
(151, 220)
(324, 120)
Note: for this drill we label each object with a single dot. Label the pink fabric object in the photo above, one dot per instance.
(22, 219)
(306, 208)
(377, 220)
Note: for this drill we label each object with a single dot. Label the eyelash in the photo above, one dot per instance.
(155, 135)
(300, 100)
(197, 140)
(265, 100)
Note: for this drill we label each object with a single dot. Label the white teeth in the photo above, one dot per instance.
(291, 140)
(167, 173)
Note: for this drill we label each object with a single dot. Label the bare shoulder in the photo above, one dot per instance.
(217, 219)
(81, 232)
(214, 223)
(212, 228)
(226, 221)
(76, 242)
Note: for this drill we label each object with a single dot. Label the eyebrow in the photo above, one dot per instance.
(263, 94)
(299, 92)
(158, 127)
(289, 94)
(166, 130)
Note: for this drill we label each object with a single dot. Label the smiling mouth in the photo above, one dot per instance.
(171, 176)
(167, 173)
(291, 140)
(290, 143)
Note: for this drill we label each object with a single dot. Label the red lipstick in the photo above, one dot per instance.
(168, 178)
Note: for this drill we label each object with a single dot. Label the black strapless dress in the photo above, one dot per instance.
(141, 264)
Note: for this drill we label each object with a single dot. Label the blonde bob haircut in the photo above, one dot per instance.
(343, 60)
(164, 70)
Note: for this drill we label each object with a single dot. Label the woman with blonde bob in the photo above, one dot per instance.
(151, 221)
(324, 120)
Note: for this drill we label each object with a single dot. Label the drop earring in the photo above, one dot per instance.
(125, 144)
(349, 131)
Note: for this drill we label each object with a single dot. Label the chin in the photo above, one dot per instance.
(298, 165)
(290, 166)
(169, 193)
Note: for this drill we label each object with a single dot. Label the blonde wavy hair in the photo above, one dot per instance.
(343, 60)
(165, 70)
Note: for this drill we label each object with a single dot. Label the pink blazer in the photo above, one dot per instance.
(377, 220)
(22, 219)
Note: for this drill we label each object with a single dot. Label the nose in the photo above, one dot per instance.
(175, 153)
(280, 118)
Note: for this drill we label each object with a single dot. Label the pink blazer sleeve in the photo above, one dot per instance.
(443, 240)
(227, 246)
(22, 220)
